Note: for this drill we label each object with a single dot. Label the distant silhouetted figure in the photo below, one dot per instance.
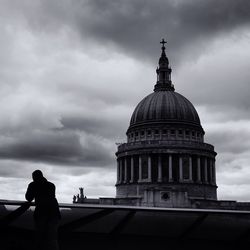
(47, 213)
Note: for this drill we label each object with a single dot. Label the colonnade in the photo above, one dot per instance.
(191, 168)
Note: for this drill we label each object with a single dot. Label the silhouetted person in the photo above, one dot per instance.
(47, 213)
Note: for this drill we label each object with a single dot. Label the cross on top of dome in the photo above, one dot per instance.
(163, 43)
(163, 48)
(164, 82)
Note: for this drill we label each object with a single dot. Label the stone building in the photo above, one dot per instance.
(165, 161)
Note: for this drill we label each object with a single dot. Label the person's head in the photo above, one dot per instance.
(37, 175)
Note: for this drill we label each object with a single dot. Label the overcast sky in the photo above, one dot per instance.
(72, 72)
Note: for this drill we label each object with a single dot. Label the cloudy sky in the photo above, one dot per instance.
(72, 71)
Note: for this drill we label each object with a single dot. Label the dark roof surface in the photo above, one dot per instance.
(167, 225)
(165, 106)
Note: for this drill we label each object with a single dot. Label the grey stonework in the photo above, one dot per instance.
(165, 161)
(193, 190)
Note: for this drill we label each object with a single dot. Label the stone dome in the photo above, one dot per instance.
(165, 161)
(164, 107)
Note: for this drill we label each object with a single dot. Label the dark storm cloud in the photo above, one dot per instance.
(135, 26)
(109, 127)
(71, 73)
(57, 147)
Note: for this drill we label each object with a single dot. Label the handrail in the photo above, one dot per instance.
(104, 210)
(138, 208)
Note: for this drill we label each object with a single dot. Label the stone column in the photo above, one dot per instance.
(190, 169)
(118, 171)
(120, 165)
(140, 170)
(170, 168)
(125, 170)
(205, 169)
(149, 169)
(132, 169)
(159, 169)
(211, 170)
(198, 169)
(180, 169)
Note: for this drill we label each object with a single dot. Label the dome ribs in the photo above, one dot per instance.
(165, 106)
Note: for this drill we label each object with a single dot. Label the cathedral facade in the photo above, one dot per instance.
(165, 161)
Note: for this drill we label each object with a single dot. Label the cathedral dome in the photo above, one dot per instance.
(165, 161)
(164, 107)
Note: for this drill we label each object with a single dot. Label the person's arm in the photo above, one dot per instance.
(30, 193)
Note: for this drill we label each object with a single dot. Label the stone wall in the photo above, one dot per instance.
(194, 191)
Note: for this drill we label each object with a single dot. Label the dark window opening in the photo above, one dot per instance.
(185, 167)
(165, 196)
(136, 168)
(165, 167)
(144, 164)
(175, 167)
(154, 162)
